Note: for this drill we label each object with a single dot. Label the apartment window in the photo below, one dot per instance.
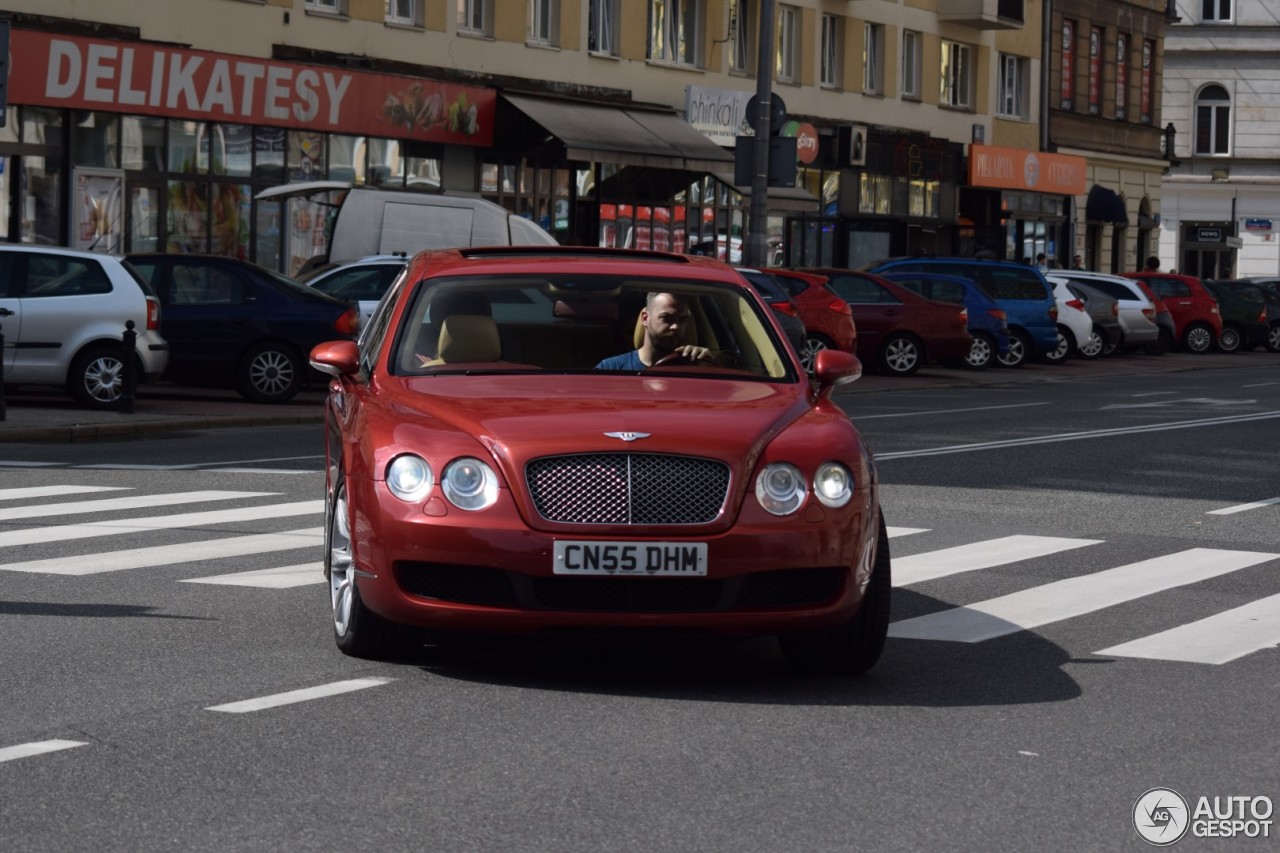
(744, 17)
(1067, 100)
(674, 31)
(911, 41)
(832, 36)
(1122, 75)
(1215, 10)
(873, 59)
(956, 74)
(544, 22)
(1095, 71)
(786, 60)
(474, 17)
(329, 7)
(1015, 93)
(1213, 121)
(602, 36)
(404, 12)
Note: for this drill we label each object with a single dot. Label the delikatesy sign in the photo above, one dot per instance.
(102, 74)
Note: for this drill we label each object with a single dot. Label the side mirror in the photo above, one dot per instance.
(832, 367)
(336, 358)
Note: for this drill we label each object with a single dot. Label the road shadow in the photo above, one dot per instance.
(1017, 669)
(78, 611)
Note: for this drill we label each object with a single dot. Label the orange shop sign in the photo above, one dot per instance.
(1019, 169)
(101, 74)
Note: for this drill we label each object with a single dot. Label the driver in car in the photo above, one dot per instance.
(664, 318)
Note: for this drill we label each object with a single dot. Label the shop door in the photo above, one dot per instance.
(142, 216)
(1206, 263)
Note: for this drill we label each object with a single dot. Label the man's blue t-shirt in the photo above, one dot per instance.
(626, 361)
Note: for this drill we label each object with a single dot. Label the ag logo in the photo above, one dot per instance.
(1161, 816)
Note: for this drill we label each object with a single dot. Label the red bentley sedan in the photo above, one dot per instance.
(540, 439)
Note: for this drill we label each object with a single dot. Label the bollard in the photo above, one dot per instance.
(128, 372)
(3, 413)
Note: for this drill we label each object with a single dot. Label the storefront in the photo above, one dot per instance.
(881, 194)
(123, 147)
(1020, 203)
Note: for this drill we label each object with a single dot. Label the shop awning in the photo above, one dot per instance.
(784, 199)
(1104, 205)
(627, 137)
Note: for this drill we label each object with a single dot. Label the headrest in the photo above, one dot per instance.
(468, 337)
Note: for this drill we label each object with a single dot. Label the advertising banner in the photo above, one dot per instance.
(98, 210)
(1019, 169)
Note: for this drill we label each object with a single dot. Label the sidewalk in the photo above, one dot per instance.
(46, 415)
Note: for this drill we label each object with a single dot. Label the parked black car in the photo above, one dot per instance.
(1246, 320)
(230, 322)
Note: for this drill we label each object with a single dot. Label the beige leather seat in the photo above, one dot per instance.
(468, 337)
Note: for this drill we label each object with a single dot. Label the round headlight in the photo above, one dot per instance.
(409, 477)
(833, 484)
(470, 484)
(780, 488)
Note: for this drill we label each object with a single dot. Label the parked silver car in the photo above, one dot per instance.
(1137, 312)
(63, 315)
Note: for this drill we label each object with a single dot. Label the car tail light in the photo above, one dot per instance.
(785, 307)
(841, 307)
(1262, 316)
(1115, 309)
(1149, 313)
(1076, 304)
(153, 314)
(964, 317)
(999, 314)
(348, 322)
(1053, 312)
(1214, 309)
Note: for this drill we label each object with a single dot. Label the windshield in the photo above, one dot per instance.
(569, 323)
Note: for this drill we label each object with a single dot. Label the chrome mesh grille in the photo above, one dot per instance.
(627, 488)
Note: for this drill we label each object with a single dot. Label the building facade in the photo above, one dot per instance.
(1222, 96)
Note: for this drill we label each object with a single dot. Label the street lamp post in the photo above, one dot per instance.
(755, 247)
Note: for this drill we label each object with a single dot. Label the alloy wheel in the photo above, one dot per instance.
(103, 378)
(1229, 340)
(1094, 345)
(1198, 338)
(901, 356)
(809, 357)
(980, 352)
(271, 372)
(342, 574)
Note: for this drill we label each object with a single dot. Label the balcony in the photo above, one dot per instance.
(983, 14)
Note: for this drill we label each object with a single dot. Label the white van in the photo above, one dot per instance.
(335, 221)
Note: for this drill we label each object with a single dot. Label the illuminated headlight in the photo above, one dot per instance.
(833, 484)
(780, 488)
(470, 484)
(409, 477)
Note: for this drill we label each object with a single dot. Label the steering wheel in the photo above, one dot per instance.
(673, 359)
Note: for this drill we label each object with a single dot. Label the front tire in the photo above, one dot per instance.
(270, 373)
(357, 630)
(96, 378)
(982, 352)
(855, 646)
(1198, 338)
(901, 354)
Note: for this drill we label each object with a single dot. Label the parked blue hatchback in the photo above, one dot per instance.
(988, 324)
(1023, 293)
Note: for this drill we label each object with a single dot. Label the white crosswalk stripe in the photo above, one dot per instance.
(22, 494)
(1076, 596)
(979, 555)
(283, 577)
(131, 502)
(895, 532)
(1218, 639)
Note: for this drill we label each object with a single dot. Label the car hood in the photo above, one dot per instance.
(521, 417)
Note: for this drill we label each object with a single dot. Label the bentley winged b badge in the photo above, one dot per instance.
(627, 436)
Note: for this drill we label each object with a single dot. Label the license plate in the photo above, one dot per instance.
(643, 559)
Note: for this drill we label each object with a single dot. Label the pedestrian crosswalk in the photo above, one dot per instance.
(1053, 579)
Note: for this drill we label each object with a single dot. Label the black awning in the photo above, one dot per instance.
(626, 136)
(1105, 206)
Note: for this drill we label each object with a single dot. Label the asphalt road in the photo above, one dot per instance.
(1088, 516)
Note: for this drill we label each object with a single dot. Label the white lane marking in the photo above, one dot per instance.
(894, 532)
(267, 459)
(304, 695)
(54, 491)
(67, 532)
(131, 502)
(261, 470)
(283, 577)
(1258, 385)
(40, 747)
(1232, 510)
(1218, 639)
(164, 555)
(945, 411)
(1064, 599)
(1204, 401)
(18, 463)
(978, 555)
(1077, 436)
(1154, 394)
(130, 466)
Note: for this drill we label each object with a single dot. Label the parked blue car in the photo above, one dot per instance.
(1027, 299)
(988, 324)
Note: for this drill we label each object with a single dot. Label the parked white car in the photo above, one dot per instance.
(1075, 327)
(1137, 312)
(362, 281)
(63, 315)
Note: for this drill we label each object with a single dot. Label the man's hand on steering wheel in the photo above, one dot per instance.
(687, 354)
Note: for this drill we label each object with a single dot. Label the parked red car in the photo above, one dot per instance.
(828, 320)
(504, 457)
(1196, 318)
(898, 329)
